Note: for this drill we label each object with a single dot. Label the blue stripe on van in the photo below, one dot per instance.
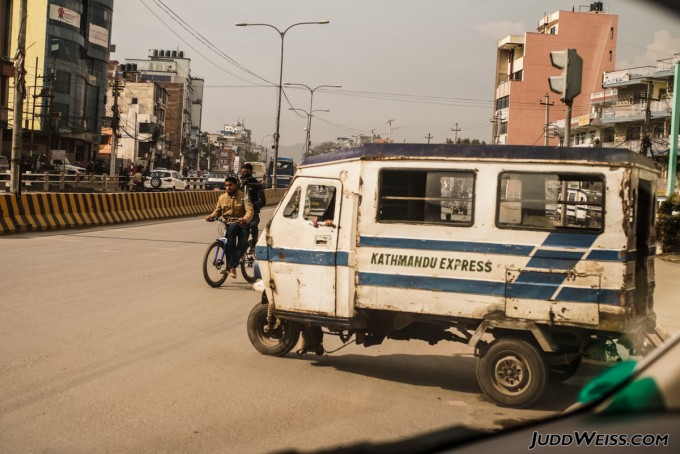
(433, 283)
(604, 255)
(444, 245)
(550, 259)
(570, 240)
(590, 295)
(476, 287)
(302, 257)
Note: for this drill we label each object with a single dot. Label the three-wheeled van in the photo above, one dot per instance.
(534, 256)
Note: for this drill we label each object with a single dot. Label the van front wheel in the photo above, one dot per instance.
(276, 339)
(512, 373)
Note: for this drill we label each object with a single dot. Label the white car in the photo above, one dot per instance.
(168, 180)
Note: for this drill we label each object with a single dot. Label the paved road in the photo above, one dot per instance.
(110, 341)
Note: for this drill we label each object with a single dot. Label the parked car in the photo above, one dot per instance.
(215, 179)
(168, 180)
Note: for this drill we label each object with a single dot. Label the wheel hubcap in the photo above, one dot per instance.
(511, 374)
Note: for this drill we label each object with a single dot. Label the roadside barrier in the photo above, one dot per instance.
(48, 211)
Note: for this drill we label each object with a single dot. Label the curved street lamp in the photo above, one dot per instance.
(282, 34)
(309, 116)
(309, 123)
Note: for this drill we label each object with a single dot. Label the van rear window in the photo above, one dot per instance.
(550, 201)
(434, 197)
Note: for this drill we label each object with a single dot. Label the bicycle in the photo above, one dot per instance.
(215, 259)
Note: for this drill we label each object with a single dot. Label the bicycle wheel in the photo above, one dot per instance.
(248, 265)
(214, 264)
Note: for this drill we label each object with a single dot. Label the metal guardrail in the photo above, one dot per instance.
(59, 182)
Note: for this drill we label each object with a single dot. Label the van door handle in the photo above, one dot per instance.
(322, 240)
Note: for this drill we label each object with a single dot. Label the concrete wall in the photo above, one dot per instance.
(48, 211)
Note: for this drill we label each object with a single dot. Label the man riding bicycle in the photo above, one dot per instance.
(237, 210)
(255, 191)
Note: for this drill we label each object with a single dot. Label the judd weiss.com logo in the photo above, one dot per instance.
(594, 438)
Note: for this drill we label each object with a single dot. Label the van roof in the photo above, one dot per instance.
(376, 152)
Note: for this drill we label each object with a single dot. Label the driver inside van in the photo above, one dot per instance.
(326, 219)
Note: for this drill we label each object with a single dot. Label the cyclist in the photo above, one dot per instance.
(237, 210)
(255, 190)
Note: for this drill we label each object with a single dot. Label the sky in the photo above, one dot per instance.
(426, 65)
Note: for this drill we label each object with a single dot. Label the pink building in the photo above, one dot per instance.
(523, 67)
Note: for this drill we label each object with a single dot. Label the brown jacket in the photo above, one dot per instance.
(236, 206)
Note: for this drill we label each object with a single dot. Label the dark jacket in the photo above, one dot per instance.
(256, 192)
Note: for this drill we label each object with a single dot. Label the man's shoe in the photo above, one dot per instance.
(231, 272)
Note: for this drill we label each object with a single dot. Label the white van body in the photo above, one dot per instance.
(475, 239)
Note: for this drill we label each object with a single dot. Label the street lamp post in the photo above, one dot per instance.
(282, 34)
(309, 125)
(309, 117)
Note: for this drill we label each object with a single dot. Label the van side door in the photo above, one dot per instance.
(302, 246)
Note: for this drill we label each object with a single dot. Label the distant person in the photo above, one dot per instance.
(255, 191)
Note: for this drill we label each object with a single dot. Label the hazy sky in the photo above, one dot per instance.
(426, 64)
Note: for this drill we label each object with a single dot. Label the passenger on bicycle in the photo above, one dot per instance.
(237, 210)
(255, 190)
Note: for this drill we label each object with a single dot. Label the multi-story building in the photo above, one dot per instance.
(523, 66)
(65, 65)
(141, 116)
(172, 71)
(632, 110)
(632, 104)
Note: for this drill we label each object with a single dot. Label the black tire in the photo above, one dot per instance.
(277, 342)
(248, 265)
(512, 373)
(155, 182)
(214, 265)
(562, 372)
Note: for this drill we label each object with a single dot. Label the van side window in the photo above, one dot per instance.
(550, 201)
(293, 206)
(436, 197)
(318, 201)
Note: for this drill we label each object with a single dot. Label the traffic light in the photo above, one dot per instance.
(568, 85)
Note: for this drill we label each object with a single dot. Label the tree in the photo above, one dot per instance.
(324, 147)
(465, 141)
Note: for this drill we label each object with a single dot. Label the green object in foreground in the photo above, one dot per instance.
(609, 380)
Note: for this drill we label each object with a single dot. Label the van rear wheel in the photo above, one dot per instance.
(512, 373)
(275, 340)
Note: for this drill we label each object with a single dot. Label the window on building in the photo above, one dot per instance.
(502, 103)
(550, 201)
(633, 133)
(611, 33)
(553, 30)
(611, 55)
(426, 196)
(134, 101)
(517, 75)
(503, 128)
(62, 84)
(60, 113)
(608, 135)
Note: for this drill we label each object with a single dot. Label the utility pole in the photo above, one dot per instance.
(115, 123)
(675, 126)
(496, 121)
(547, 105)
(646, 142)
(455, 130)
(19, 93)
(428, 137)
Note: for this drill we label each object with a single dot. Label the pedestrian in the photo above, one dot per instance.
(255, 192)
